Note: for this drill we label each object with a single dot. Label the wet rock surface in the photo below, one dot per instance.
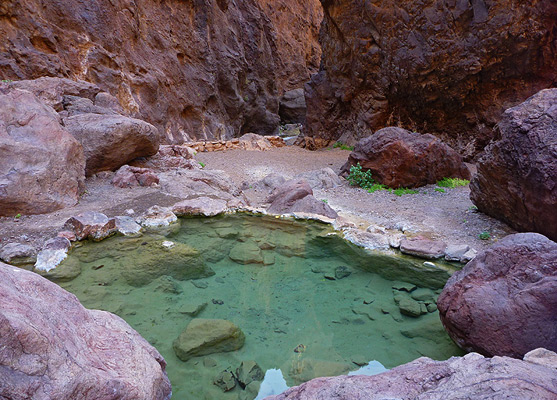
(41, 164)
(517, 176)
(212, 69)
(208, 336)
(431, 66)
(88, 354)
(504, 302)
(469, 377)
(400, 158)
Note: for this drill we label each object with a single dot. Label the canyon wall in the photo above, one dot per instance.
(196, 69)
(447, 67)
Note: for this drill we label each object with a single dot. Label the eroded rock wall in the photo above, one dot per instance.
(194, 69)
(448, 67)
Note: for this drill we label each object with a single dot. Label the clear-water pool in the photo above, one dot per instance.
(308, 302)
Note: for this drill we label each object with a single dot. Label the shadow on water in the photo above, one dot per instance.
(309, 302)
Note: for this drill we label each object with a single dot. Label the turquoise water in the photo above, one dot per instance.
(284, 301)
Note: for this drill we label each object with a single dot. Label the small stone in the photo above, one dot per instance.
(423, 294)
(316, 270)
(52, 254)
(246, 253)
(330, 277)
(468, 256)
(543, 357)
(342, 272)
(168, 285)
(431, 307)
(422, 247)
(225, 380)
(217, 302)
(209, 362)
(364, 310)
(168, 244)
(127, 226)
(268, 259)
(249, 371)
(158, 217)
(404, 286)
(359, 360)
(18, 254)
(68, 235)
(200, 284)
(429, 264)
(410, 307)
(300, 348)
(192, 309)
(455, 252)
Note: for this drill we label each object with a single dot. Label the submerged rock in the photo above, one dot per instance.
(52, 254)
(153, 259)
(54, 348)
(18, 254)
(127, 226)
(468, 377)
(504, 302)
(247, 253)
(208, 336)
(248, 372)
(309, 368)
(225, 380)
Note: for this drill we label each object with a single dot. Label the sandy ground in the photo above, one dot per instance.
(448, 216)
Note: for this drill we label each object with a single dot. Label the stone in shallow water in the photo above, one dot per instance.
(152, 260)
(249, 371)
(310, 368)
(92, 225)
(52, 254)
(192, 309)
(18, 254)
(208, 336)
(246, 253)
(410, 307)
(127, 226)
(342, 272)
(225, 380)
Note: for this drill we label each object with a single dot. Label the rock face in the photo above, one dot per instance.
(468, 377)
(517, 176)
(41, 164)
(204, 69)
(447, 68)
(400, 158)
(504, 302)
(208, 336)
(54, 348)
(293, 107)
(127, 177)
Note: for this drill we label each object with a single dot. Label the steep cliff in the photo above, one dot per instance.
(194, 69)
(448, 67)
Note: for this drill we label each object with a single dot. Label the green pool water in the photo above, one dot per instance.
(285, 298)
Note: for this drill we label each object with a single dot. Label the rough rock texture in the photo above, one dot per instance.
(53, 252)
(203, 69)
(295, 196)
(92, 225)
(127, 177)
(468, 377)
(202, 205)
(292, 108)
(18, 253)
(208, 336)
(42, 167)
(504, 302)
(400, 158)
(54, 348)
(110, 141)
(444, 67)
(517, 176)
(422, 247)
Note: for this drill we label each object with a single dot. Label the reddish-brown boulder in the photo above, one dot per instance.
(296, 196)
(468, 377)
(54, 348)
(204, 69)
(445, 67)
(400, 158)
(127, 177)
(504, 302)
(92, 225)
(110, 141)
(42, 167)
(517, 176)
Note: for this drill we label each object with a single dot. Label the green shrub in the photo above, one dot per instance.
(400, 191)
(342, 146)
(452, 182)
(484, 236)
(358, 177)
(202, 164)
(440, 190)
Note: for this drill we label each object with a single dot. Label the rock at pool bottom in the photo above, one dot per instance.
(207, 336)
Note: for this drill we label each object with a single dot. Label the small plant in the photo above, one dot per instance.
(358, 177)
(202, 164)
(472, 208)
(246, 98)
(400, 191)
(375, 187)
(18, 216)
(6, 81)
(325, 201)
(440, 190)
(484, 235)
(342, 146)
(452, 182)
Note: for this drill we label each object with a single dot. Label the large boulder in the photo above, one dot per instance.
(517, 176)
(51, 347)
(208, 69)
(42, 167)
(400, 158)
(504, 302)
(449, 68)
(111, 140)
(296, 196)
(208, 336)
(468, 377)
